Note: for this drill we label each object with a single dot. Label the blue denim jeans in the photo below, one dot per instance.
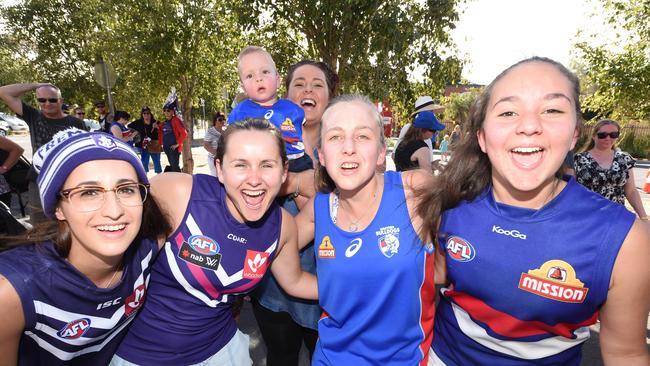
(173, 156)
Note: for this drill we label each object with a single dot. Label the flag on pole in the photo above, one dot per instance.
(172, 103)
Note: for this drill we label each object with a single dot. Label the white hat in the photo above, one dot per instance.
(425, 103)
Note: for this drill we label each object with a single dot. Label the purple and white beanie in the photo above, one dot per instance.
(70, 148)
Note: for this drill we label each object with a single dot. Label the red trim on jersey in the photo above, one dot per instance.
(323, 315)
(427, 306)
(509, 326)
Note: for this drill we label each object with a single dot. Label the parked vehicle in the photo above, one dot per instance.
(92, 125)
(4, 128)
(15, 123)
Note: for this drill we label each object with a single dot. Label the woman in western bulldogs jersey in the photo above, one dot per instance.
(228, 232)
(532, 258)
(71, 286)
(375, 275)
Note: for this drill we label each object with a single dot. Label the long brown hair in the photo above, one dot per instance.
(469, 172)
(331, 78)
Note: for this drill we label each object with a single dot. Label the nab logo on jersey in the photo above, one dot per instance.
(74, 329)
(203, 244)
(460, 250)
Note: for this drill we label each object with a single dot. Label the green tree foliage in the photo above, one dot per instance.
(193, 45)
(152, 46)
(617, 77)
(374, 45)
(457, 106)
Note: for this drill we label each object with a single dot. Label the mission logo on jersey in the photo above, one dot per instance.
(326, 249)
(555, 280)
(287, 126)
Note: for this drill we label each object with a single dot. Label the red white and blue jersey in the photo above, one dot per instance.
(68, 319)
(209, 260)
(525, 284)
(375, 286)
(286, 115)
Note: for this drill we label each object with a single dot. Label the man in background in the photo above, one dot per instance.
(43, 124)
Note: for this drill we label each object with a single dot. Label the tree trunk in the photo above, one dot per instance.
(186, 106)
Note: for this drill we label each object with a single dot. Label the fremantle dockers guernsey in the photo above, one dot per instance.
(284, 114)
(68, 319)
(204, 265)
(526, 284)
(375, 286)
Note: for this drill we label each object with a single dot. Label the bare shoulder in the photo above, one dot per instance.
(172, 192)
(631, 260)
(288, 229)
(13, 320)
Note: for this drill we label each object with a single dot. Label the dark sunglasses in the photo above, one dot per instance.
(614, 135)
(143, 113)
(80, 113)
(51, 100)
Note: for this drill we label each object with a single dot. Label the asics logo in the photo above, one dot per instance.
(353, 248)
(513, 233)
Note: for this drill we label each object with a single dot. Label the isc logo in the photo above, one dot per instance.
(459, 249)
(74, 329)
(203, 244)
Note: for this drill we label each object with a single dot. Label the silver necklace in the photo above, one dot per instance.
(112, 277)
(354, 224)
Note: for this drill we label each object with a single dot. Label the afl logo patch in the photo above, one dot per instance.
(201, 251)
(203, 244)
(74, 329)
(460, 249)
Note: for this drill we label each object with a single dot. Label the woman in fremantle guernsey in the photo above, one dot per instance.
(228, 232)
(70, 287)
(532, 258)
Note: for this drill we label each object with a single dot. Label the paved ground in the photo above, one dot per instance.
(591, 354)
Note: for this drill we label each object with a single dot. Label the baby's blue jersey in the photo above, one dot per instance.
(525, 284)
(284, 114)
(375, 286)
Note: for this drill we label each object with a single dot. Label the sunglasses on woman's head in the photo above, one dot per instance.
(614, 135)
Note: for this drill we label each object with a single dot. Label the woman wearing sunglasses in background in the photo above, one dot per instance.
(70, 287)
(606, 170)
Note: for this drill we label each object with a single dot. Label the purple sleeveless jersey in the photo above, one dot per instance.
(68, 319)
(209, 260)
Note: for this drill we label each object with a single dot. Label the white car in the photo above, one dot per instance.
(92, 125)
(15, 123)
(4, 128)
